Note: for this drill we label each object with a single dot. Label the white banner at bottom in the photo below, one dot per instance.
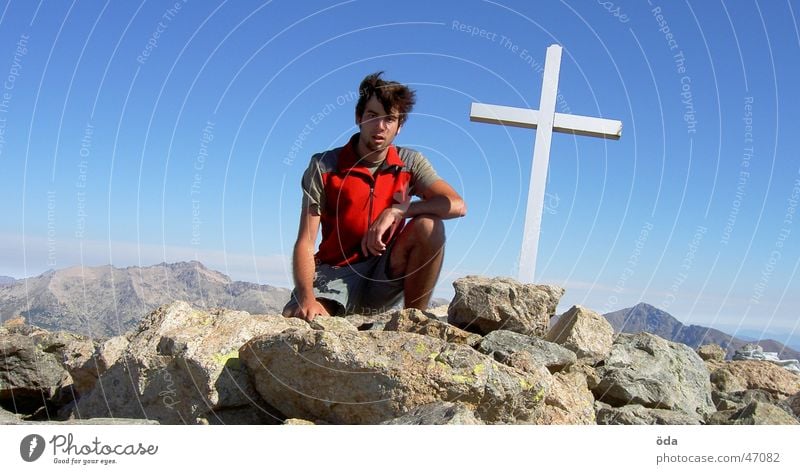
(398, 449)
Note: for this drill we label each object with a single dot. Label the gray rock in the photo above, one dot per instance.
(369, 377)
(182, 367)
(568, 401)
(110, 350)
(639, 415)
(711, 352)
(737, 400)
(584, 332)
(755, 413)
(723, 380)
(589, 372)
(483, 305)
(520, 351)
(332, 323)
(75, 353)
(754, 374)
(369, 322)
(29, 377)
(647, 370)
(418, 322)
(437, 413)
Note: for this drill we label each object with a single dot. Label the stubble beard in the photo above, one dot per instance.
(373, 146)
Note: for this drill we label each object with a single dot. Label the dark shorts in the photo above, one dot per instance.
(361, 288)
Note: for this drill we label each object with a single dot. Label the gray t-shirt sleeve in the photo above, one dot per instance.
(422, 175)
(313, 197)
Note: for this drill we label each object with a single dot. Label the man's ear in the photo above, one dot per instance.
(358, 119)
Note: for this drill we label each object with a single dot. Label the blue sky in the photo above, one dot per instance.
(139, 133)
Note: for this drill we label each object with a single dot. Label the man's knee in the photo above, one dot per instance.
(428, 229)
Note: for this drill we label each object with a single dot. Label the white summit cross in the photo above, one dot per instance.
(545, 121)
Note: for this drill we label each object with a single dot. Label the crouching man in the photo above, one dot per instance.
(377, 245)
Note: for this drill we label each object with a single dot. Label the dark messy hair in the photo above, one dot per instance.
(392, 95)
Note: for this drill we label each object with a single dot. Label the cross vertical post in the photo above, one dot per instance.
(541, 159)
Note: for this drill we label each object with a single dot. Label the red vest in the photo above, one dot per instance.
(354, 198)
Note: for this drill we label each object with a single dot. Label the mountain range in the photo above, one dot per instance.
(646, 318)
(106, 301)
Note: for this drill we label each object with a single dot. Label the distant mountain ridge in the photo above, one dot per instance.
(646, 318)
(105, 301)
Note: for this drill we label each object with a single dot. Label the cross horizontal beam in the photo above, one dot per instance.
(528, 118)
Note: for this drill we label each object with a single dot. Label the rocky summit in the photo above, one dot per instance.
(493, 359)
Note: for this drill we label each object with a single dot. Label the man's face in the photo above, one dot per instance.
(378, 128)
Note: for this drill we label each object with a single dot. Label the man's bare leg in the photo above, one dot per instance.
(418, 254)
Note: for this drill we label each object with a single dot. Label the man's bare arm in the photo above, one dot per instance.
(439, 199)
(303, 267)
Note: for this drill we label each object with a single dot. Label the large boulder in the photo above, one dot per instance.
(483, 305)
(711, 352)
(584, 332)
(182, 367)
(80, 357)
(30, 378)
(760, 374)
(76, 354)
(416, 321)
(370, 377)
(523, 352)
(647, 370)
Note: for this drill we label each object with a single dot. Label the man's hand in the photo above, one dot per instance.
(373, 243)
(308, 310)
